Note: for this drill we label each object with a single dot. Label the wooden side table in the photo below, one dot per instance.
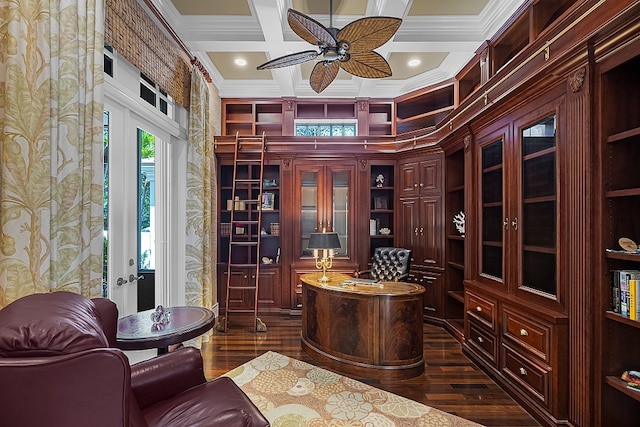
(135, 331)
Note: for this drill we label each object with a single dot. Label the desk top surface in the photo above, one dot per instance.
(135, 331)
(341, 282)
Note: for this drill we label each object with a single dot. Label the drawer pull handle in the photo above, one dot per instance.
(524, 333)
(479, 309)
(480, 340)
(523, 371)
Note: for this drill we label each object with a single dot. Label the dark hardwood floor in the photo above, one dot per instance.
(451, 382)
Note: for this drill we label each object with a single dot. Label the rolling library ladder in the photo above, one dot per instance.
(246, 218)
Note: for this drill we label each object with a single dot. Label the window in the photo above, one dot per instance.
(325, 129)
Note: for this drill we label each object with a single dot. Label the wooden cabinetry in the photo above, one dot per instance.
(421, 212)
(268, 293)
(516, 323)
(325, 197)
(619, 144)
(270, 283)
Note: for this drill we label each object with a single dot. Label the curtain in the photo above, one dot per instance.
(51, 102)
(200, 216)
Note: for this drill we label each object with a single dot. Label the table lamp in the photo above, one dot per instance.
(326, 242)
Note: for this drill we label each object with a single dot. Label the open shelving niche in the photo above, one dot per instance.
(620, 336)
(455, 243)
(381, 207)
(270, 242)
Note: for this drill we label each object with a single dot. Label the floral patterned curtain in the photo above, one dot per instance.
(200, 220)
(51, 102)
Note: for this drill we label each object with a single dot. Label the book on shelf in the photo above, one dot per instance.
(615, 292)
(632, 378)
(625, 290)
(633, 298)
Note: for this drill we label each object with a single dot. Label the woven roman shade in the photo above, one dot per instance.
(134, 35)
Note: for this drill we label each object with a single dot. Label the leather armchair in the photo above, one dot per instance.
(388, 264)
(57, 368)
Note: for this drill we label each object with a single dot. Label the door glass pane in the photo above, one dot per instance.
(105, 203)
(341, 209)
(308, 209)
(146, 201)
(492, 209)
(539, 209)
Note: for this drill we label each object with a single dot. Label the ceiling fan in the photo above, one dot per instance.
(350, 48)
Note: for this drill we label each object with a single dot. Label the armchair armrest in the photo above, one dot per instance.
(165, 376)
(402, 277)
(361, 273)
(88, 388)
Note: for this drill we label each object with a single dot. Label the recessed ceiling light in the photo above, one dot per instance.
(413, 63)
(241, 62)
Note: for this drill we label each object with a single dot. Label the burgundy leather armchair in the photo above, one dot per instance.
(58, 368)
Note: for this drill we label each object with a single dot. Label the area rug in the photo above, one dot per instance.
(292, 393)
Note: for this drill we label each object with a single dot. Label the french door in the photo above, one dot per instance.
(134, 214)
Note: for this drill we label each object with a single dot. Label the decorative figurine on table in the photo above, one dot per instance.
(379, 180)
(160, 318)
(458, 221)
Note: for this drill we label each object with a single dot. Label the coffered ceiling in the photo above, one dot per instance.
(442, 35)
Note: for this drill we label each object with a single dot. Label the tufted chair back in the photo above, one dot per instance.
(390, 264)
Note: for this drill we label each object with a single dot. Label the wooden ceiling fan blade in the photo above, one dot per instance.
(309, 29)
(323, 74)
(369, 33)
(287, 60)
(369, 65)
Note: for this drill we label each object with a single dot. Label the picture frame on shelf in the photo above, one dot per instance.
(380, 202)
(268, 201)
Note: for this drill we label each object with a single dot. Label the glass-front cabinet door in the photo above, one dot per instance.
(494, 221)
(538, 216)
(308, 181)
(325, 204)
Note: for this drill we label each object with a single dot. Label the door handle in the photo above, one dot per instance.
(133, 278)
(121, 281)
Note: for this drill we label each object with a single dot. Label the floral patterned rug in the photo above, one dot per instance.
(292, 393)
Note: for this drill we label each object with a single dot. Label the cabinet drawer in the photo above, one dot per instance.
(482, 309)
(533, 378)
(534, 336)
(483, 342)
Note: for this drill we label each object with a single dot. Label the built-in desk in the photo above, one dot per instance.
(363, 330)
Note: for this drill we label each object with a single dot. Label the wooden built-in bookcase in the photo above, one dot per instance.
(546, 180)
(619, 142)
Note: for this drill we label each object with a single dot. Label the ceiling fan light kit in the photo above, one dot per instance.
(350, 48)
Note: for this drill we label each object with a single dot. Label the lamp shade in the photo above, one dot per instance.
(324, 241)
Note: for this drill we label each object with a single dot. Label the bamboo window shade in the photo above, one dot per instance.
(135, 36)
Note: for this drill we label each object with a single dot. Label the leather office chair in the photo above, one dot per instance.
(389, 264)
(57, 368)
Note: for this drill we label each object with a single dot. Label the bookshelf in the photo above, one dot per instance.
(620, 200)
(454, 243)
(381, 206)
(424, 109)
(270, 274)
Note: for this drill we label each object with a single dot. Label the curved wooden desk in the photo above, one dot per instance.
(366, 331)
